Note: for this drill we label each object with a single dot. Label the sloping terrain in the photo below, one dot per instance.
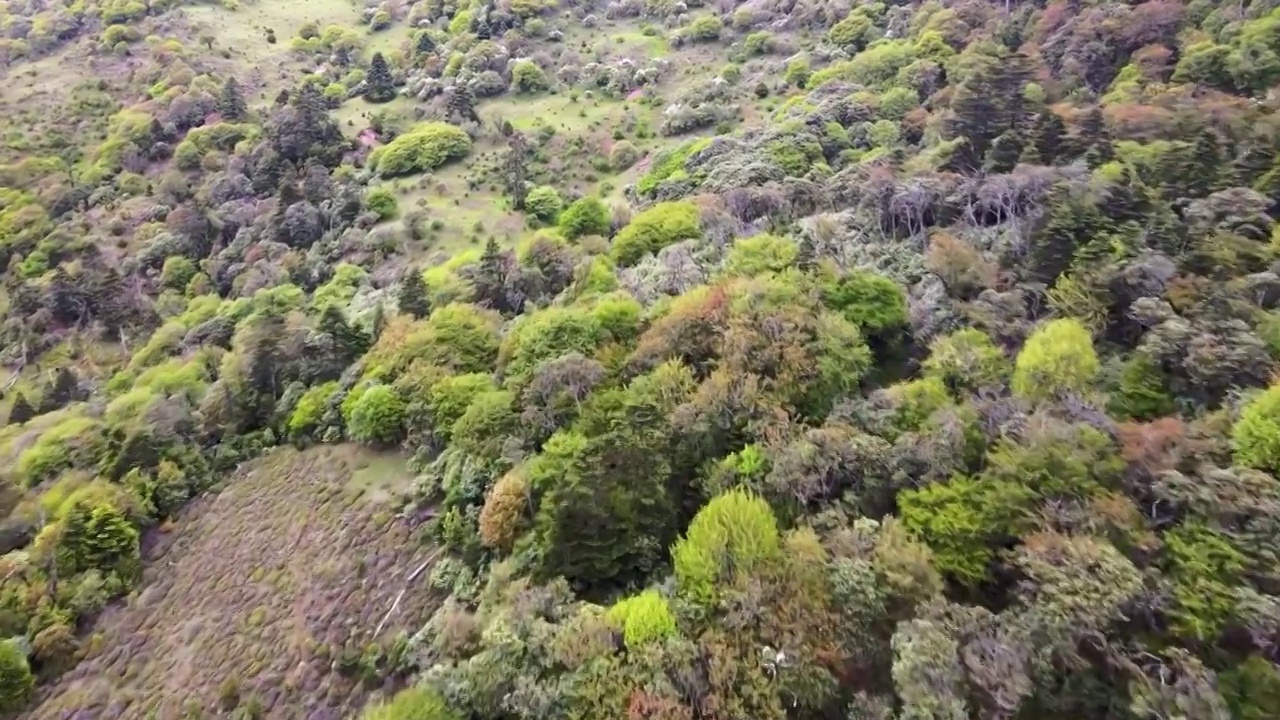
(252, 596)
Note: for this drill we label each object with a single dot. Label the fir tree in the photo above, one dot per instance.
(63, 390)
(411, 297)
(1206, 171)
(516, 169)
(1093, 139)
(231, 104)
(379, 321)
(461, 104)
(807, 257)
(21, 410)
(1045, 143)
(348, 341)
(380, 87)
(491, 279)
(424, 45)
(1004, 152)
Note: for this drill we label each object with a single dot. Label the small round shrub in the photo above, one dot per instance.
(643, 618)
(377, 416)
(655, 228)
(544, 203)
(586, 216)
(1058, 357)
(382, 202)
(505, 508)
(527, 77)
(1256, 436)
(623, 155)
(177, 272)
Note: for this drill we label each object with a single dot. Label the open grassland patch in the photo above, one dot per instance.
(265, 594)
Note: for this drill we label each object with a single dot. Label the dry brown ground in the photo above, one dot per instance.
(265, 582)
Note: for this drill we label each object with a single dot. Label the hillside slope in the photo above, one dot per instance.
(255, 592)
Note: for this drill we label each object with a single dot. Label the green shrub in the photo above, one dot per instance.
(586, 216)
(310, 409)
(760, 254)
(449, 398)
(623, 155)
(705, 28)
(876, 304)
(669, 164)
(382, 201)
(16, 682)
(643, 618)
(965, 521)
(732, 536)
(377, 416)
(1058, 357)
(425, 147)
(544, 203)
(655, 228)
(415, 703)
(966, 359)
(177, 272)
(1256, 436)
(527, 77)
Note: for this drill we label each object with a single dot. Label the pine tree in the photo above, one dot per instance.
(231, 105)
(491, 280)
(411, 297)
(379, 322)
(807, 257)
(424, 45)
(1207, 171)
(380, 87)
(1093, 139)
(1045, 142)
(349, 341)
(516, 169)
(1004, 152)
(63, 390)
(461, 104)
(21, 410)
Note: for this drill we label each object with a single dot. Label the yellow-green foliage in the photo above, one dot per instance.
(341, 288)
(1058, 357)
(425, 147)
(760, 254)
(916, 400)
(555, 331)
(458, 336)
(655, 228)
(732, 536)
(72, 440)
(415, 703)
(643, 618)
(966, 359)
(310, 409)
(1256, 436)
(450, 397)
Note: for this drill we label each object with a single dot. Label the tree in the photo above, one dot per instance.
(1093, 139)
(461, 104)
(1045, 145)
(348, 341)
(20, 411)
(491, 278)
(380, 87)
(1057, 358)
(543, 203)
(414, 703)
(231, 104)
(425, 44)
(505, 512)
(411, 294)
(515, 169)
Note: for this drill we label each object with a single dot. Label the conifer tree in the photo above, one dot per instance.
(491, 279)
(1093, 139)
(379, 85)
(1045, 144)
(412, 294)
(516, 169)
(424, 45)
(461, 104)
(231, 104)
(21, 410)
(349, 341)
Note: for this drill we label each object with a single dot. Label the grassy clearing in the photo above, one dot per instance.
(272, 587)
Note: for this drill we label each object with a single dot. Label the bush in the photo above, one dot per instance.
(876, 304)
(734, 534)
(505, 509)
(177, 272)
(527, 77)
(704, 29)
(623, 155)
(377, 416)
(307, 414)
(586, 216)
(655, 228)
(382, 202)
(966, 359)
(544, 203)
(425, 147)
(760, 254)
(1256, 436)
(643, 618)
(16, 681)
(415, 703)
(1058, 357)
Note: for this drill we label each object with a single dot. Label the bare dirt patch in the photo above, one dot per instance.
(271, 588)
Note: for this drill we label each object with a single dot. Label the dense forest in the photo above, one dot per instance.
(817, 360)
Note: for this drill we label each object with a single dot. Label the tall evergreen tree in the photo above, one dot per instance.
(807, 257)
(63, 390)
(380, 87)
(461, 104)
(231, 104)
(516, 169)
(411, 296)
(21, 410)
(348, 341)
(491, 279)
(1044, 146)
(1093, 138)
(424, 45)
